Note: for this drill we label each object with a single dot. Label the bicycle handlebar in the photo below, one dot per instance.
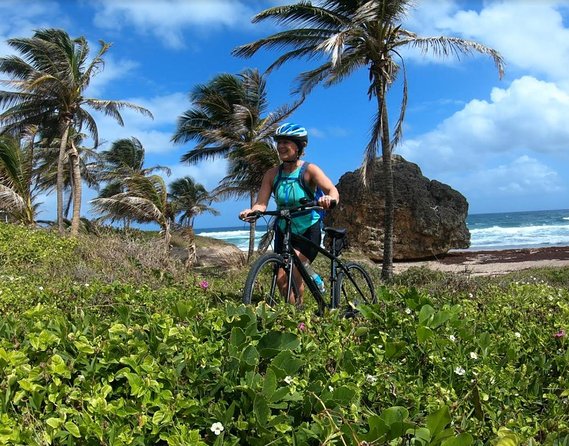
(306, 205)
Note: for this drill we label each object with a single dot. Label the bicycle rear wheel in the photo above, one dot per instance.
(261, 283)
(353, 288)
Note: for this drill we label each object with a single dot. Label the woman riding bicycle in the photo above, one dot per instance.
(290, 182)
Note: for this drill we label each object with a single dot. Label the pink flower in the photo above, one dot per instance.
(302, 326)
(560, 334)
(204, 284)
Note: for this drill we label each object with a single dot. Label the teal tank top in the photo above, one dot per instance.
(288, 192)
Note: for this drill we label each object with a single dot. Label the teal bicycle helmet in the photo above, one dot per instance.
(293, 132)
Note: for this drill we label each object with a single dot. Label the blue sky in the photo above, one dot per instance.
(504, 144)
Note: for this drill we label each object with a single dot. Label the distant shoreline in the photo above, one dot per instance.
(493, 262)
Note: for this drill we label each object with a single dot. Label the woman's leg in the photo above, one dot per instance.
(282, 282)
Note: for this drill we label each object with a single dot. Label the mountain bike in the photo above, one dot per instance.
(350, 284)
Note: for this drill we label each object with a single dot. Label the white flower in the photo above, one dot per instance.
(452, 338)
(459, 371)
(473, 355)
(288, 379)
(371, 379)
(330, 388)
(517, 334)
(217, 428)
(40, 288)
(408, 310)
(470, 295)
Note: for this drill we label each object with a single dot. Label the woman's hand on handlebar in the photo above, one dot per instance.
(248, 215)
(327, 202)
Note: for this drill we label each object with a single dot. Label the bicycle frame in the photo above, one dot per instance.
(292, 259)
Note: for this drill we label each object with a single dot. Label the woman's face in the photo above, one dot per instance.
(287, 150)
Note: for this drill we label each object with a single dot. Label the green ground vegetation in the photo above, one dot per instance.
(107, 341)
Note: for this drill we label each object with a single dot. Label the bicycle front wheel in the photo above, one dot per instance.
(353, 288)
(261, 283)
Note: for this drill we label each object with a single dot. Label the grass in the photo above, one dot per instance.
(107, 340)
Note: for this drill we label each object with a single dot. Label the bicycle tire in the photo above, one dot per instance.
(346, 295)
(261, 283)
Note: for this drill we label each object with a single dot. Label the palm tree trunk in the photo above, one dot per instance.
(76, 190)
(30, 213)
(60, 167)
(252, 228)
(389, 211)
(167, 236)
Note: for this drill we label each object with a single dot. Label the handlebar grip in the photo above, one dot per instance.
(251, 215)
(333, 204)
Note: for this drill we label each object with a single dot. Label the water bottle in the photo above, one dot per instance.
(315, 277)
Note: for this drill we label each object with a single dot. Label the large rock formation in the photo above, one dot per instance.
(430, 217)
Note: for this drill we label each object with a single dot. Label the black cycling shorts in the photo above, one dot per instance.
(313, 234)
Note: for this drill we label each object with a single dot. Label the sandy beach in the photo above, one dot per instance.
(479, 263)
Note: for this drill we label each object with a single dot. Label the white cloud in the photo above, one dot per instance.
(154, 134)
(529, 116)
(24, 20)
(168, 18)
(522, 176)
(530, 35)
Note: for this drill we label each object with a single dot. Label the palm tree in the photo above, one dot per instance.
(47, 85)
(227, 120)
(352, 34)
(123, 160)
(16, 176)
(144, 200)
(190, 199)
(47, 157)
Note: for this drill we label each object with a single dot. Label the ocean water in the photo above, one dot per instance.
(487, 231)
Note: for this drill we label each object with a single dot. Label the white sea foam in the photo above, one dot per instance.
(488, 231)
(526, 236)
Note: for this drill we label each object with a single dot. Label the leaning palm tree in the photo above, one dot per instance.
(190, 199)
(124, 159)
(352, 34)
(47, 85)
(145, 200)
(46, 168)
(227, 120)
(16, 177)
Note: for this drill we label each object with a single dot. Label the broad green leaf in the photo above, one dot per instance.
(269, 384)
(261, 409)
(394, 349)
(158, 417)
(44, 340)
(250, 355)
(274, 342)
(72, 429)
(84, 347)
(440, 318)
(437, 421)
(422, 435)
(237, 336)
(424, 333)
(343, 395)
(286, 363)
(463, 439)
(426, 314)
(55, 422)
(58, 367)
(394, 414)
